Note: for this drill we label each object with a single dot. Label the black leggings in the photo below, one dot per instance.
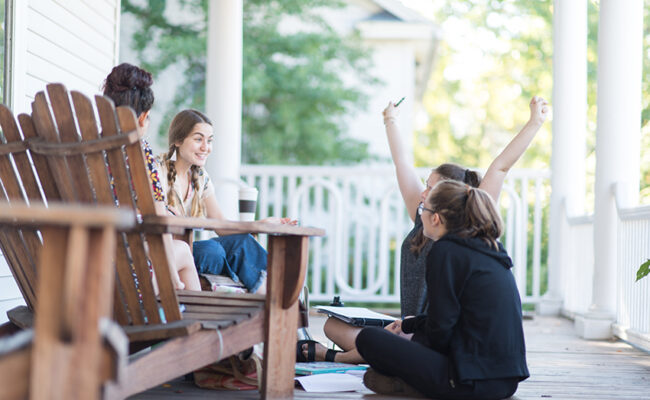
(425, 369)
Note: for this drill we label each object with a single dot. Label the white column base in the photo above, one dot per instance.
(549, 305)
(594, 326)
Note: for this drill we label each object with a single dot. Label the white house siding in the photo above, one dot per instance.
(69, 41)
(74, 42)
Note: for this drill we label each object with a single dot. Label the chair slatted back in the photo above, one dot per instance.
(76, 160)
(19, 246)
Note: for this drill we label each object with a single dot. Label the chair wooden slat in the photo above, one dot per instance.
(221, 310)
(96, 163)
(62, 110)
(122, 186)
(121, 180)
(46, 129)
(45, 177)
(12, 135)
(141, 268)
(20, 244)
(127, 285)
(24, 273)
(74, 278)
(104, 194)
(119, 309)
(216, 301)
(162, 331)
(160, 246)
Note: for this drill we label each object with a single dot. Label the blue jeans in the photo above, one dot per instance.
(240, 257)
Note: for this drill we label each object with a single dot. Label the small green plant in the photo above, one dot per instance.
(644, 270)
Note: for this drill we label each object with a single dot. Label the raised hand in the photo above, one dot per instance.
(390, 112)
(538, 109)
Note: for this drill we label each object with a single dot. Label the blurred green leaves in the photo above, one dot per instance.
(294, 96)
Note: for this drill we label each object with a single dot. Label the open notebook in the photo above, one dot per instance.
(357, 316)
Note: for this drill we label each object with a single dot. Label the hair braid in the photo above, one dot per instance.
(171, 174)
(197, 204)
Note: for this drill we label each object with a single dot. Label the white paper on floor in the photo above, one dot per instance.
(328, 383)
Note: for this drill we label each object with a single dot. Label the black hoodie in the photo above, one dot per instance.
(474, 313)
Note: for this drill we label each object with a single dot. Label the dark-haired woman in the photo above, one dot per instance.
(470, 342)
(129, 85)
(190, 192)
(415, 247)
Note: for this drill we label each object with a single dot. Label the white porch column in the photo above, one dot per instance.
(569, 130)
(223, 99)
(620, 34)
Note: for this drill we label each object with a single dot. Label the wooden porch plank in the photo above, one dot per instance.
(562, 366)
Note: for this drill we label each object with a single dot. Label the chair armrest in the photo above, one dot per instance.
(65, 215)
(177, 225)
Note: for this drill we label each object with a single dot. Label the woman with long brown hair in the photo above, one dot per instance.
(190, 192)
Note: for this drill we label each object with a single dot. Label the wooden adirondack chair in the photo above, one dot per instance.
(66, 357)
(73, 163)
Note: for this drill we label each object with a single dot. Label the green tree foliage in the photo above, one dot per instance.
(483, 80)
(294, 97)
(495, 55)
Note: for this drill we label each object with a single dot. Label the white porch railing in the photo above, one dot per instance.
(577, 268)
(633, 298)
(633, 248)
(366, 221)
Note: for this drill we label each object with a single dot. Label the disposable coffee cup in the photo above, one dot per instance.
(247, 203)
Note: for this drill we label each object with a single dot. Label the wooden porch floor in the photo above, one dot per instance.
(562, 366)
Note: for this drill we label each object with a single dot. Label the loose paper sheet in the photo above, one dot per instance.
(329, 383)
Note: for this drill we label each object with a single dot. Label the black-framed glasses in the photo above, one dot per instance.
(422, 208)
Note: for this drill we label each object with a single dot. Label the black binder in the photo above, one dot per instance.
(357, 316)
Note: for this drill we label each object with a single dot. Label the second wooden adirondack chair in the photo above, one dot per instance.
(75, 347)
(76, 163)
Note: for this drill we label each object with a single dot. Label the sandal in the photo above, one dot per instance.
(330, 354)
(311, 351)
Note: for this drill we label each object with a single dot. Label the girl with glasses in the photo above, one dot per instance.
(470, 342)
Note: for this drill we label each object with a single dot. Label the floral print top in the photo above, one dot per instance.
(154, 176)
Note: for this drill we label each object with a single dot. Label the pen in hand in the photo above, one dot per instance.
(400, 101)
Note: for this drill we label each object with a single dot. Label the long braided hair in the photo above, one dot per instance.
(179, 130)
(450, 172)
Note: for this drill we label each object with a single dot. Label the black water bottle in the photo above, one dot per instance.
(336, 302)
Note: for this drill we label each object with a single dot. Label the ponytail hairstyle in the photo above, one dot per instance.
(179, 130)
(128, 85)
(466, 211)
(452, 172)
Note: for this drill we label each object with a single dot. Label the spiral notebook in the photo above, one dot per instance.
(326, 367)
(357, 316)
